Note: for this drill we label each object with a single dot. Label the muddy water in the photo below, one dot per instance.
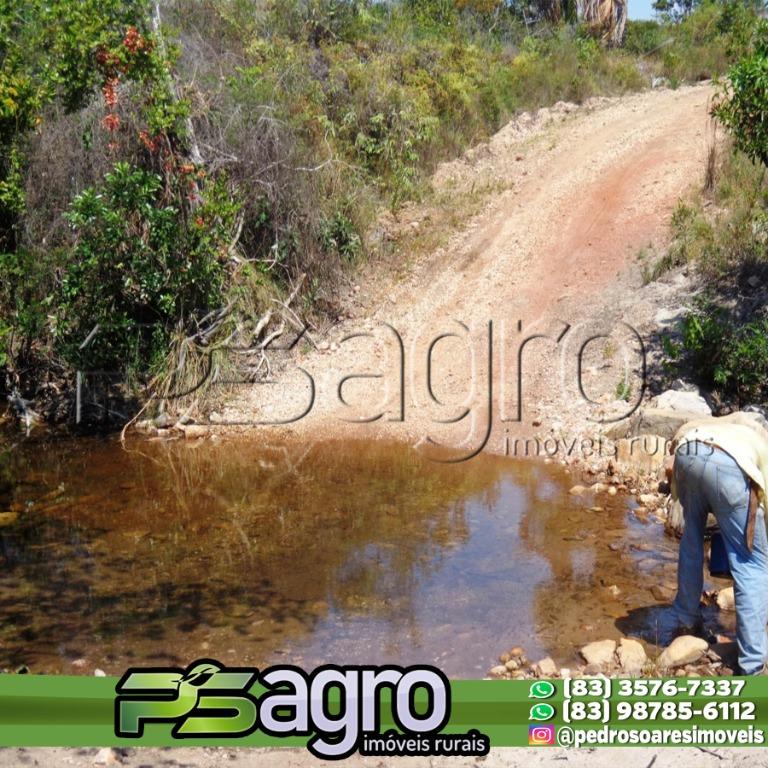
(340, 552)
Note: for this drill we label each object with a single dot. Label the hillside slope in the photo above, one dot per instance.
(580, 196)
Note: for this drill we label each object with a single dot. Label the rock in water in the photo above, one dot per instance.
(662, 594)
(194, 431)
(726, 600)
(632, 656)
(685, 649)
(600, 652)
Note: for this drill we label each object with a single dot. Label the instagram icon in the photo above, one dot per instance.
(541, 735)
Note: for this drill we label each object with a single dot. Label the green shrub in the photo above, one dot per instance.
(722, 353)
(340, 236)
(141, 267)
(644, 37)
(708, 40)
(721, 239)
(743, 108)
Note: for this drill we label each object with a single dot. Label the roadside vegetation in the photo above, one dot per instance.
(723, 233)
(179, 179)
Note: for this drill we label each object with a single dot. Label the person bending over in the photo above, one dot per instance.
(721, 466)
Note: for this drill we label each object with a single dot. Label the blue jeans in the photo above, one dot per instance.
(709, 480)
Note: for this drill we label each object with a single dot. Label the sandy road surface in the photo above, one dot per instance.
(579, 197)
(606, 757)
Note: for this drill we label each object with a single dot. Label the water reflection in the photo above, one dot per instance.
(343, 552)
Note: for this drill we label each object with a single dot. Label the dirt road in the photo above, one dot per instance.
(581, 191)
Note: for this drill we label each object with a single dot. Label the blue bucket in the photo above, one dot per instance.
(718, 557)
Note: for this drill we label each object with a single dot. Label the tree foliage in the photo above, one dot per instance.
(743, 108)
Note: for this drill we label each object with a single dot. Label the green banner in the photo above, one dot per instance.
(91, 711)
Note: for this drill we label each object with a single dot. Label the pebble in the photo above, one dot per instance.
(106, 756)
(546, 667)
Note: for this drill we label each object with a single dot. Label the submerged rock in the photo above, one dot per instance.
(193, 431)
(662, 594)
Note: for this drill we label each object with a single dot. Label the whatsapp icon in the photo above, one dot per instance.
(541, 689)
(542, 711)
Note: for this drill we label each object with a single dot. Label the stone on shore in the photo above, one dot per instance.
(675, 400)
(632, 656)
(662, 421)
(685, 649)
(547, 667)
(600, 652)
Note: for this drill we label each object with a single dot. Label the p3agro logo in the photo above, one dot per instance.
(338, 708)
